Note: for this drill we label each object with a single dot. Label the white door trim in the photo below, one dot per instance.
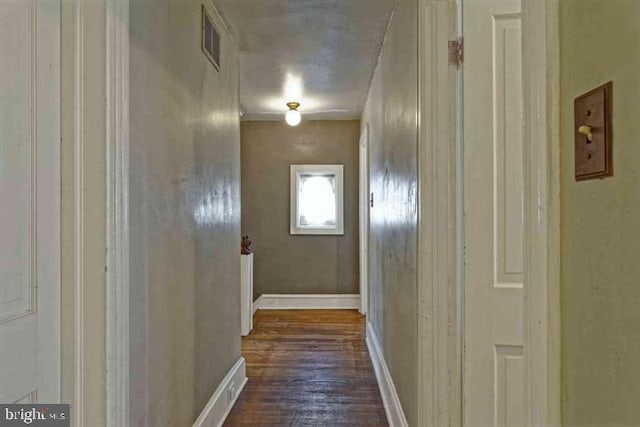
(540, 43)
(364, 219)
(439, 353)
(78, 226)
(117, 110)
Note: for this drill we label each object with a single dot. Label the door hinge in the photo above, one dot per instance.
(456, 52)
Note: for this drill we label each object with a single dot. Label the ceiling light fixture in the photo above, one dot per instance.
(293, 116)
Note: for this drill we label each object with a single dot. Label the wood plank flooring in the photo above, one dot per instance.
(308, 368)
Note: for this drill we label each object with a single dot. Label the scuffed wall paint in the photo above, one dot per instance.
(184, 214)
(391, 112)
(286, 264)
(600, 231)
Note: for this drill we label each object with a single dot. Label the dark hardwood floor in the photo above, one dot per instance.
(308, 368)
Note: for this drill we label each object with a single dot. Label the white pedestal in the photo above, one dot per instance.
(246, 294)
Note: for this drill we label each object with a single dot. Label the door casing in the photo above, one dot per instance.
(364, 220)
(117, 213)
(438, 151)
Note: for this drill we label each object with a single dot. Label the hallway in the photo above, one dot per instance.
(308, 368)
(403, 213)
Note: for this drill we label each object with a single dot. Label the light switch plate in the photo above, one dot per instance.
(593, 158)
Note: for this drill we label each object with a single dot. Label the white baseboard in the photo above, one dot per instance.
(307, 302)
(225, 396)
(392, 406)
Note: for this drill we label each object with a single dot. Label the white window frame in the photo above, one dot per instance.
(338, 172)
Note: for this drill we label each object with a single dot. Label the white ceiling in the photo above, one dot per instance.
(321, 53)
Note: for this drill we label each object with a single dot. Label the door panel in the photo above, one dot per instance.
(494, 214)
(364, 220)
(30, 208)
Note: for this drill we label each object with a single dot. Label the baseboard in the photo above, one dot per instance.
(307, 302)
(392, 406)
(225, 396)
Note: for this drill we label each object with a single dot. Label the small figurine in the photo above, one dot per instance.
(245, 246)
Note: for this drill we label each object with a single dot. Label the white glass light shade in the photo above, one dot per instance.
(293, 117)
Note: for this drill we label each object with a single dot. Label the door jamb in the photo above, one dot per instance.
(542, 210)
(439, 385)
(117, 181)
(364, 217)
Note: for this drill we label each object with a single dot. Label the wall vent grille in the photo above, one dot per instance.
(210, 39)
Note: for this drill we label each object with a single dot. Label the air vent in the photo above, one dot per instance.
(210, 39)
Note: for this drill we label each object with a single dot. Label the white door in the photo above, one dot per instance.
(494, 371)
(364, 220)
(29, 201)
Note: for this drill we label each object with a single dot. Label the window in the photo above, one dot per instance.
(317, 199)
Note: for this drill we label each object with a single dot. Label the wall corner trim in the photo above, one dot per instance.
(221, 402)
(307, 302)
(392, 405)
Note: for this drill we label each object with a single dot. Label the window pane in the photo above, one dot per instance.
(317, 200)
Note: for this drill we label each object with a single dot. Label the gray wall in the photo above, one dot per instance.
(286, 264)
(184, 214)
(600, 222)
(391, 112)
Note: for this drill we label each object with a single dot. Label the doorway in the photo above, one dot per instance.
(489, 210)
